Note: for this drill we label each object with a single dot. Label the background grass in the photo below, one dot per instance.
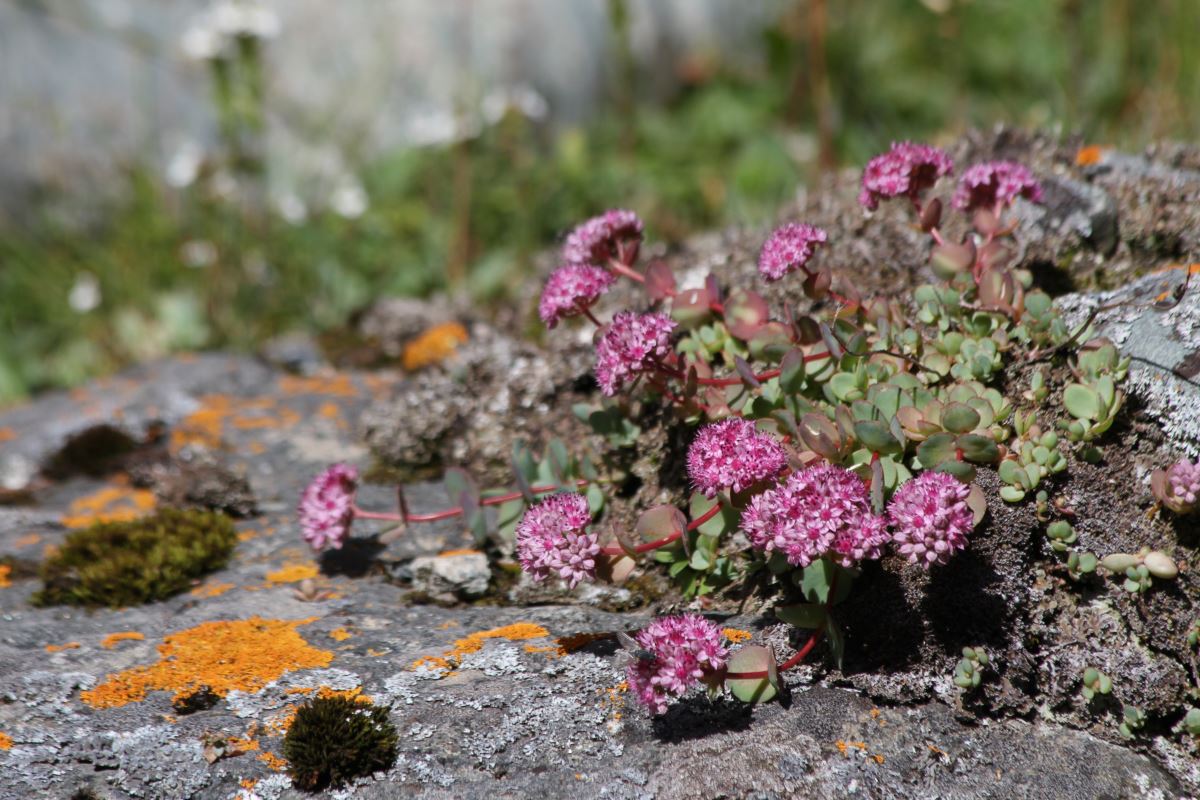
(842, 79)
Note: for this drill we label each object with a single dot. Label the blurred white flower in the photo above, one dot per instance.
(198, 253)
(234, 18)
(224, 184)
(349, 200)
(522, 98)
(292, 208)
(85, 294)
(433, 127)
(184, 165)
(200, 42)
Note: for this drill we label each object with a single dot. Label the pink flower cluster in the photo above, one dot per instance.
(821, 510)
(629, 345)
(682, 650)
(615, 234)
(789, 248)
(906, 170)
(995, 184)
(570, 289)
(1183, 482)
(326, 508)
(732, 455)
(930, 518)
(552, 538)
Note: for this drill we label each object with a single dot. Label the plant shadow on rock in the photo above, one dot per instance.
(961, 610)
(879, 612)
(699, 717)
(94, 452)
(356, 558)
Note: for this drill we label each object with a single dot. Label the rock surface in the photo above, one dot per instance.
(519, 694)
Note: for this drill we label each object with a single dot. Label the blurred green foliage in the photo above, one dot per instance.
(841, 79)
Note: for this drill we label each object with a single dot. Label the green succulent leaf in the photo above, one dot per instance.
(753, 659)
(960, 418)
(1082, 402)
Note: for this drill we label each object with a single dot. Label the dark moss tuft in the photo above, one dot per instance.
(95, 451)
(126, 563)
(333, 740)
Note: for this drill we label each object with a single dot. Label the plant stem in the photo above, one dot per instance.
(621, 269)
(800, 654)
(456, 510)
(617, 550)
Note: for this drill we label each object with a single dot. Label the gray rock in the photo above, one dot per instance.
(463, 575)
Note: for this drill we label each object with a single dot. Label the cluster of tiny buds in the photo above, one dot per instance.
(679, 652)
(733, 455)
(326, 509)
(1182, 491)
(552, 539)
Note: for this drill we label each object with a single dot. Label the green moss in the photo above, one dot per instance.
(333, 740)
(126, 563)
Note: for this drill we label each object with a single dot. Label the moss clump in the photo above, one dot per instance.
(335, 739)
(126, 563)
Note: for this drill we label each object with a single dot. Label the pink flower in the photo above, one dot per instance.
(570, 289)
(631, 344)
(615, 234)
(552, 538)
(821, 509)
(327, 507)
(733, 455)
(682, 650)
(788, 249)
(906, 170)
(1183, 484)
(995, 183)
(930, 518)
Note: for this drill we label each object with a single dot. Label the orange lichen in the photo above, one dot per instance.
(736, 635)
(434, 345)
(5, 741)
(462, 551)
(203, 426)
(7, 434)
(211, 589)
(1089, 155)
(567, 644)
(239, 746)
(248, 783)
(58, 648)
(450, 623)
(5, 572)
(333, 385)
(239, 654)
(110, 641)
(844, 747)
(116, 503)
(878, 758)
(293, 573)
(28, 540)
(450, 659)
(273, 761)
(340, 634)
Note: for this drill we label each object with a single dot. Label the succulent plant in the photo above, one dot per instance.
(1095, 682)
(1133, 719)
(1139, 568)
(1080, 564)
(968, 673)
(1061, 535)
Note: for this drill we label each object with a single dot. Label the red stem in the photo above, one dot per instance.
(587, 312)
(621, 269)
(454, 512)
(800, 654)
(617, 550)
